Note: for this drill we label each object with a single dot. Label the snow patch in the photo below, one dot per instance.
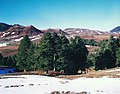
(3, 44)
(34, 39)
(4, 34)
(116, 70)
(118, 74)
(17, 40)
(27, 84)
(13, 33)
(77, 31)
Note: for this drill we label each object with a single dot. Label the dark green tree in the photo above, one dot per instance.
(78, 56)
(118, 57)
(63, 53)
(91, 60)
(22, 54)
(106, 57)
(45, 52)
(1, 60)
(31, 58)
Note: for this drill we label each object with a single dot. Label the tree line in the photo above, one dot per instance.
(57, 53)
(52, 53)
(108, 55)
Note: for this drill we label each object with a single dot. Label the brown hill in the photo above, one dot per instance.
(18, 30)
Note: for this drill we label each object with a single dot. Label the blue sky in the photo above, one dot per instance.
(92, 14)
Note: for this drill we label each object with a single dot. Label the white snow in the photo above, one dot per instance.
(4, 34)
(116, 70)
(98, 32)
(3, 44)
(88, 45)
(77, 31)
(44, 85)
(13, 33)
(18, 39)
(117, 74)
(35, 39)
(15, 36)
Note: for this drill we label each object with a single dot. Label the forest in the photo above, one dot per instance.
(58, 53)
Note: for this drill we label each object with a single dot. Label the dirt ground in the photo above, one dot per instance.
(111, 73)
(8, 50)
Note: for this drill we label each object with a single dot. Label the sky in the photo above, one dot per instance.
(92, 14)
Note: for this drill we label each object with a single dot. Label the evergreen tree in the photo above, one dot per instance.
(78, 56)
(1, 60)
(10, 61)
(31, 58)
(63, 53)
(106, 57)
(45, 52)
(118, 57)
(91, 60)
(56, 45)
(22, 54)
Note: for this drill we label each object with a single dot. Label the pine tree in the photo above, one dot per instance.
(118, 57)
(22, 54)
(1, 60)
(106, 57)
(78, 56)
(45, 52)
(63, 53)
(31, 58)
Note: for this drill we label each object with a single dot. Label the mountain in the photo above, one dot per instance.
(19, 30)
(83, 32)
(58, 31)
(4, 27)
(14, 33)
(87, 33)
(116, 29)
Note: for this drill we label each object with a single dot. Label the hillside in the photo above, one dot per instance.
(116, 30)
(4, 27)
(12, 35)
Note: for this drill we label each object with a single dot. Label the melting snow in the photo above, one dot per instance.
(34, 39)
(13, 33)
(29, 84)
(116, 70)
(4, 34)
(18, 39)
(3, 44)
(77, 31)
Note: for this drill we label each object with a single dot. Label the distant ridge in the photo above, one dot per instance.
(4, 26)
(14, 33)
(116, 29)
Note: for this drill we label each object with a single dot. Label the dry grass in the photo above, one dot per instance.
(91, 74)
(8, 50)
(94, 74)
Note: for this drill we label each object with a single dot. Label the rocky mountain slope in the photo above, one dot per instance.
(14, 33)
(4, 27)
(116, 29)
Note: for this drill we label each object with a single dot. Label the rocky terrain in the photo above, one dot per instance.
(11, 35)
(14, 33)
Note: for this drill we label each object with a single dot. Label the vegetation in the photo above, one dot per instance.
(57, 53)
(7, 61)
(53, 53)
(90, 42)
(108, 54)
(22, 55)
